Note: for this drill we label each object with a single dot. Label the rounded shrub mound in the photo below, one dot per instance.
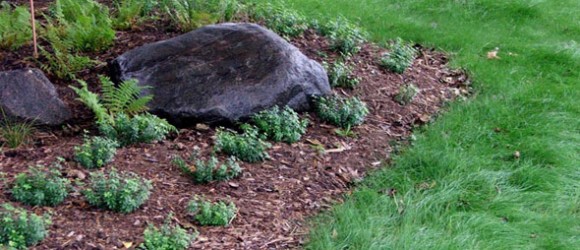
(40, 187)
(19, 229)
(118, 191)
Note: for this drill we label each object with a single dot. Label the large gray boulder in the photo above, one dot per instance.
(222, 73)
(27, 95)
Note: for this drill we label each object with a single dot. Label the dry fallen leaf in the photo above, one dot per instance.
(493, 54)
(127, 245)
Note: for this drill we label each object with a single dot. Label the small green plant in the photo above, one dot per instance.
(96, 152)
(342, 112)
(344, 36)
(84, 25)
(248, 147)
(187, 15)
(15, 28)
(400, 58)
(61, 61)
(207, 213)
(143, 128)
(282, 20)
(124, 99)
(406, 94)
(280, 124)
(210, 170)
(13, 134)
(41, 187)
(20, 229)
(340, 75)
(346, 132)
(120, 192)
(131, 13)
(167, 237)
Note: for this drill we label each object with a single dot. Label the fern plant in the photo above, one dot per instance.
(114, 100)
(131, 13)
(20, 229)
(61, 61)
(284, 21)
(187, 15)
(142, 128)
(15, 28)
(85, 24)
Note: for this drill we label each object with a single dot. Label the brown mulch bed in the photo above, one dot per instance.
(274, 197)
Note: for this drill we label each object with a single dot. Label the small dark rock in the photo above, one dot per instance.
(27, 95)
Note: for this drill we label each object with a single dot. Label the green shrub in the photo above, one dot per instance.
(166, 237)
(340, 75)
(143, 128)
(342, 112)
(40, 187)
(61, 61)
(187, 15)
(400, 58)
(210, 170)
(280, 124)
(212, 214)
(247, 147)
(406, 94)
(120, 192)
(344, 36)
(96, 152)
(282, 20)
(131, 13)
(15, 28)
(85, 25)
(13, 134)
(19, 229)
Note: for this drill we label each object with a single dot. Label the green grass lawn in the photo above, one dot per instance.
(459, 185)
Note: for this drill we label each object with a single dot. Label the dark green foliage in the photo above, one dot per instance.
(340, 75)
(406, 94)
(96, 152)
(124, 99)
(15, 28)
(120, 192)
(212, 214)
(13, 134)
(247, 147)
(84, 25)
(210, 170)
(282, 20)
(167, 237)
(143, 128)
(400, 58)
(344, 36)
(20, 229)
(40, 187)
(188, 15)
(342, 112)
(131, 13)
(280, 124)
(61, 61)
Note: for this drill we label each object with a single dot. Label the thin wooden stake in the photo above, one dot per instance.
(33, 21)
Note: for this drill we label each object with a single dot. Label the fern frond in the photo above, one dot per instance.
(139, 105)
(91, 100)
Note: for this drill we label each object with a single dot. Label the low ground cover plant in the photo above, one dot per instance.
(15, 28)
(96, 152)
(130, 13)
(61, 61)
(340, 111)
(248, 147)
(345, 37)
(40, 186)
(280, 124)
(406, 94)
(187, 15)
(167, 237)
(210, 170)
(20, 229)
(399, 58)
(117, 191)
(84, 25)
(340, 75)
(208, 213)
(284, 21)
